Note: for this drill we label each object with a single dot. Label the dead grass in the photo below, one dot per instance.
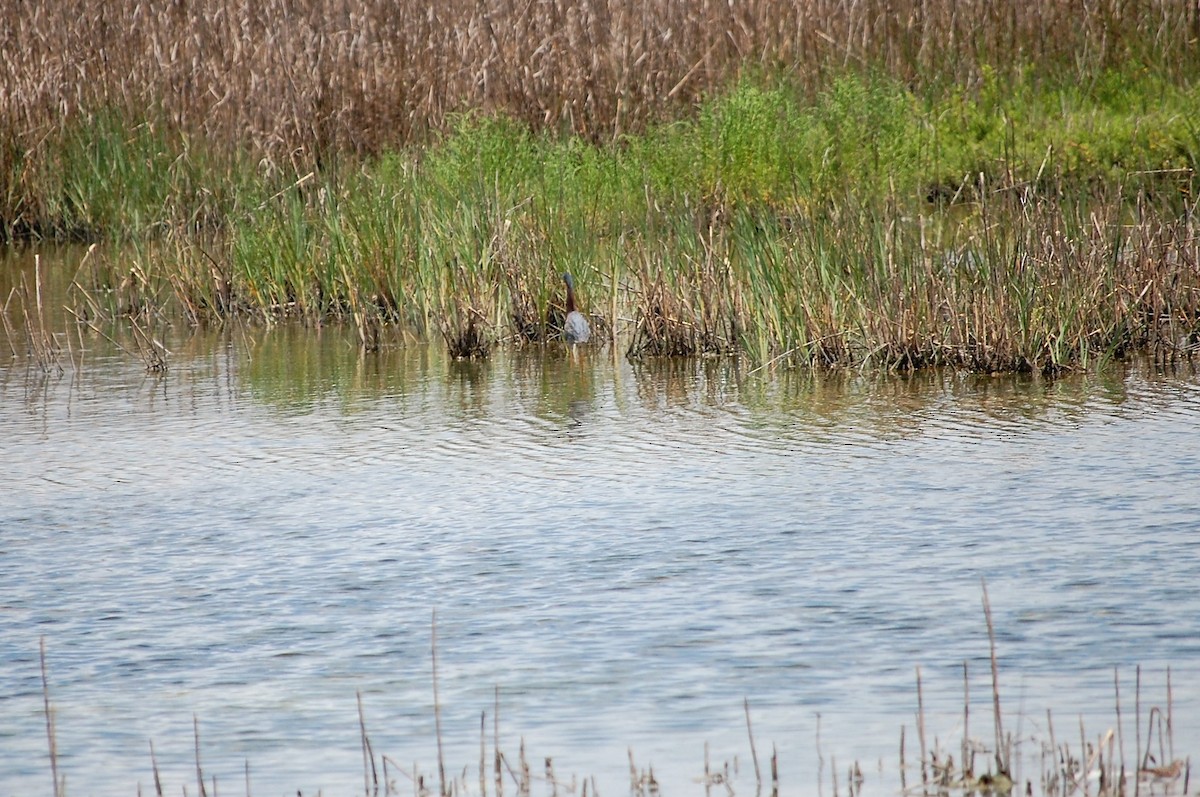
(1097, 766)
(304, 83)
(466, 335)
(33, 337)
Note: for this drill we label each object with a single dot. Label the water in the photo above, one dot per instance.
(626, 552)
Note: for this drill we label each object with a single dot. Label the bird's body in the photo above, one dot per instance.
(575, 328)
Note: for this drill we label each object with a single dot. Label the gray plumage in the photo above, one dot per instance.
(575, 328)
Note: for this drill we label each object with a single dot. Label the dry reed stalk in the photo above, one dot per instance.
(41, 343)
(9, 332)
(820, 758)
(1170, 726)
(707, 772)
(42, 335)
(1002, 757)
(1137, 724)
(196, 747)
(1120, 730)
(1110, 771)
(151, 350)
(967, 765)
(1085, 763)
(51, 736)
(921, 730)
(482, 753)
(437, 707)
(496, 745)
(1054, 756)
(526, 778)
(370, 774)
(158, 789)
(1156, 721)
(753, 751)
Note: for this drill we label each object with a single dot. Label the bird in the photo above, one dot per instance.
(575, 328)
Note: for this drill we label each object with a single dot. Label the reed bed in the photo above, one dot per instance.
(845, 184)
(1019, 283)
(158, 114)
(41, 344)
(309, 81)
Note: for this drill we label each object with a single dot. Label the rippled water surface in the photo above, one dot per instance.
(624, 551)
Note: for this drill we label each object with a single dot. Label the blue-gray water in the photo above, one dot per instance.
(625, 551)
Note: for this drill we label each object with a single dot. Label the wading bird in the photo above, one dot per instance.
(575, 328)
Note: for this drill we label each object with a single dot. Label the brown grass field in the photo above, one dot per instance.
(305, 80)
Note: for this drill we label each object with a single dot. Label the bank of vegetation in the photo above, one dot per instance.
(902, 184)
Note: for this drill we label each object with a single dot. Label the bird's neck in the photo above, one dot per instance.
(570, 300)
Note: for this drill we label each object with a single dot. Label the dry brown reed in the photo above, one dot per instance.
(132, 308)
(682, 318)
(527, 326)
(41, 344)
(1027, 283)
(51, 738)
(10, 333)
(304, 82)
(1095, 767)
(466, 335)
(150, 350)
(664, 326)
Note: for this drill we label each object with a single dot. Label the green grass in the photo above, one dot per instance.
(760, 142)
(110, 175)
(1027, 226)
(872, 136)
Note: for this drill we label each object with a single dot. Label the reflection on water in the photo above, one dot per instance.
(626, 550)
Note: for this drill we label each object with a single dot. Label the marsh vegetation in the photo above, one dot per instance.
(870, 184)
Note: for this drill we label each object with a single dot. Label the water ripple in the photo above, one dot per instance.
(627, 551)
